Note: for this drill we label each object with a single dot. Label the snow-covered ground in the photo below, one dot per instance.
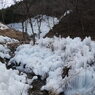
(46, 24)
(5, 39)
(11, 83)
(49, 57)
(7, 3)
(4, 52)
(3, 27)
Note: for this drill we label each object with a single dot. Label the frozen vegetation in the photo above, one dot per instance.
(4, 51)
(11, 83)
(68, 65)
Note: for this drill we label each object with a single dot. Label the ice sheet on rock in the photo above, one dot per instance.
(82, 83)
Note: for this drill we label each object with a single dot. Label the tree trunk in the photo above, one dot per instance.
(3, 17)
(32, 31)
(39, 27)
(23, 30)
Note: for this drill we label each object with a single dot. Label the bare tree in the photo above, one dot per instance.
(23, 30)
(26, 25)
(27, 6)
(39, 22)
(33, 33)
(26, 14)
(3, 3)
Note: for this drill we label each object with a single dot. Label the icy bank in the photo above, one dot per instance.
(11, 83)
(49, 58)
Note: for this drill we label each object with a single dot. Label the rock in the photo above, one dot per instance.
(36, 90)
(2, 60)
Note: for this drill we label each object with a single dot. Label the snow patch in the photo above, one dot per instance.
(3, 27)
(7, 3)
(5, 39)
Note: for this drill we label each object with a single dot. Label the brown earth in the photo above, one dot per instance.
(14, 34)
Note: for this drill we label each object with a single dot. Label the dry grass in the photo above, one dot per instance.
(12, 34)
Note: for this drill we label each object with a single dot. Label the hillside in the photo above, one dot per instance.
(18, 12)
(79, 23)
(9, 32)
(47, 22)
